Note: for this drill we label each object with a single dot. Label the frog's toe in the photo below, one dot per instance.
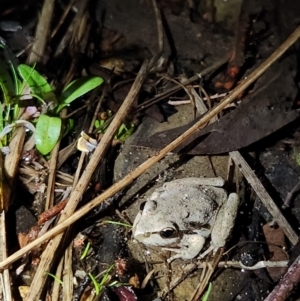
(185, 254)
(212, 249)
(180, 255)
(172, 250)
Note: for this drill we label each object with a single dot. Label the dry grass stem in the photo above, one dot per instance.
(62, 19)
(175, 89)
(51, 177)
(11, 162)
(186, 101)
(9, 172)
(186, 271)
(6, 288)
(78, 38)
(68, 274)
(56, 294)
(41, 35)
(52, 171)
(203, 284)
(65, 153)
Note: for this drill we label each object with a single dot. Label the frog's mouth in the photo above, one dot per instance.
(154, 239)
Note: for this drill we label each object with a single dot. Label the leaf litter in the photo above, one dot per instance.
(54, 80)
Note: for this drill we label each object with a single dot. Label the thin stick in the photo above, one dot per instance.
(55, 294)
(51, 177)
(8, 173)
(62, 19)
(11, 162)
(6, 290)
(68, 274)
(175, 89)
(186, 102)
(41, 34)
(212, 266)
(52, 170)
(157, 157)
(160, 29)
(287, 283)
(264, 196)
(82, 156)
(289, 196)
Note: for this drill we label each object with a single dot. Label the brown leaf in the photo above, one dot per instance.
(48, 214)
(276, 242)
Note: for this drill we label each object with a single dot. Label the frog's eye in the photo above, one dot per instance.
(168, 233)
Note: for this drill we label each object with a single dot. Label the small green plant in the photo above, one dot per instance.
(105, 281)
(207, 293)
(22, 81)
(55, 278)
(49, 125)
(124, 131)
(117, 223)
(85, 251)
(99, 286)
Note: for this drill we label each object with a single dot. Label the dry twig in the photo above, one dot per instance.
(287, 283)
(264, 196)
(41, 34)
(6, 286)
(175, 89)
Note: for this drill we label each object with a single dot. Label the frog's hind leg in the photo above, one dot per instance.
(223, 224)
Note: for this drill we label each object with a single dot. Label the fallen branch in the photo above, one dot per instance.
(285, 286)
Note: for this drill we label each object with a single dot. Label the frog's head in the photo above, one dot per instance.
(153, 228)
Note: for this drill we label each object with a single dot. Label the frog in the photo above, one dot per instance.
(183, 214)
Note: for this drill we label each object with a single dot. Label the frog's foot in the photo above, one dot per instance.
(188, 248)
(212, 248)
(180, 254)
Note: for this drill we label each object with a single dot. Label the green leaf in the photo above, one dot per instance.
(76, 89)
(47, 133)
(85, 251)
(124, 132)
(96, 284)
(55, 278)
(68, 126)
(37, 83)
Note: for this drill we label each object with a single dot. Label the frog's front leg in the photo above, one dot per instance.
(188, 248)
(223, 224)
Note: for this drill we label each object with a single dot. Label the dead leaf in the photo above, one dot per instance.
(276, 242)
(260, 114)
